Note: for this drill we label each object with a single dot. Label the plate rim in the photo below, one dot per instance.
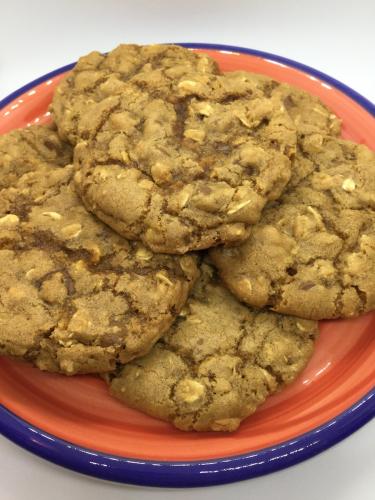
(193, 473)
(183, 474)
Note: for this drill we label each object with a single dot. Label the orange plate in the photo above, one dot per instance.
(80, 410)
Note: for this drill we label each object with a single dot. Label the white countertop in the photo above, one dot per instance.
(336, 37)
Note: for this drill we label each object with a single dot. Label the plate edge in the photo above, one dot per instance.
(179, 474)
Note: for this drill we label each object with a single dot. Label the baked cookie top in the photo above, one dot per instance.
(155, 68)
(219, 361)
(30, 149)
(75, 297)
(311, 118)
(313, 252)
(188, 174)
(308, 112)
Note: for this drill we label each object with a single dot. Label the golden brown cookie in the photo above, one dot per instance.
(186, 173)
(308, 112)
(74, 296)
(219, 361)
(311, 118)
(313, 252)
(29, 149)
(154, 68)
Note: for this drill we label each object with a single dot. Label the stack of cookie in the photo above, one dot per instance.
(180, 231)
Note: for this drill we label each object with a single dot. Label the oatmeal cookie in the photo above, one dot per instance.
(96, 76)
(218, 362)
(30, 149)
(186, 173)
(313, 252)
(75, 297)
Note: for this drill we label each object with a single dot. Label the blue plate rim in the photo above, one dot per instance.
(192, 473)
(186, 474)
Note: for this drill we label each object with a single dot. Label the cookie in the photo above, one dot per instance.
(309, 114)
(188, 174)
(74, 296)
(29, 149)
(218, 362)
(307, 111)
(97, 76)
(313, 253)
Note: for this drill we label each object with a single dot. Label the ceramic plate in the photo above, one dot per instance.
(75, 423)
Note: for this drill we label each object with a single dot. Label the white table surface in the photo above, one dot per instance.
(337, 37)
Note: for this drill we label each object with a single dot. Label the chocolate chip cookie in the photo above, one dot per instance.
(74, 296)
(313, 253)
(155, 68)
(188, 174)
(218, 362)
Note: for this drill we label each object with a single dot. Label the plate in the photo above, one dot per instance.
(75, 423)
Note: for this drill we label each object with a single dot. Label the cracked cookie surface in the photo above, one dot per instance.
(75, 297)
(165, 115)
(219, 361)
(313, 252)
(30, 149)
(186, 173)
(307, 111)
(154, 68)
